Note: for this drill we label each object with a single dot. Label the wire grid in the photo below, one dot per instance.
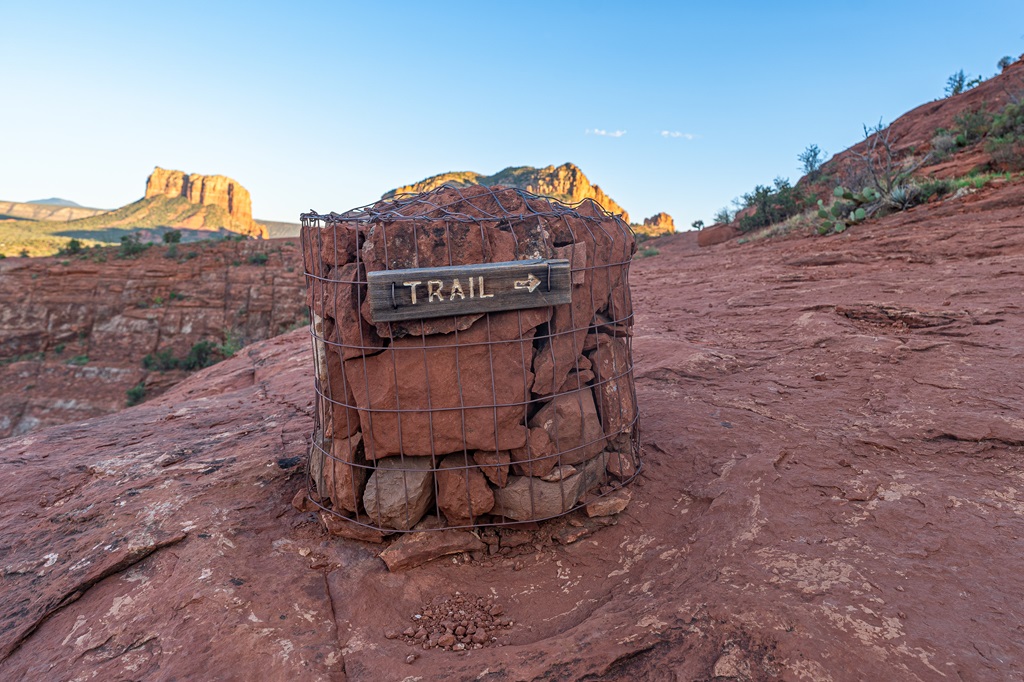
(445, 452)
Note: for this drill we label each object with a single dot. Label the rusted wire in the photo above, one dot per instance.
(369, 451)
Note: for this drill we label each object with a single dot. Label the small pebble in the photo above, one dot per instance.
(411, 658)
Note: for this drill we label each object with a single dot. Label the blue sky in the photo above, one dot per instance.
(328, 105)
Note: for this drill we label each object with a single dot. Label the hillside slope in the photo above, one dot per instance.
(833, 456)
(912, 133)
(33, 210)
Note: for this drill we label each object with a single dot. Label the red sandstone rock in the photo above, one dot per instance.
(716, 234)
(337, 297)
(421, 377)
(621, 465)
(537, 457)
(609, 250)
(494, 465)
(349, 472)
(345, 418)
(338, 243)
(610, 504)
(462, 490)
(342, 528)
(889, 546)
(399, 492)
(527, 497)
(416, 549)
(613, 388)
(572, 424)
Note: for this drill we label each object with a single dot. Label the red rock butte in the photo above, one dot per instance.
(207, 190)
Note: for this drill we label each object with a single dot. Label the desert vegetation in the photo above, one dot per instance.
(883, 174)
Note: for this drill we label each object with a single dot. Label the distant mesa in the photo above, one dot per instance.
(211, 192)
(566, 183)
(54, 201)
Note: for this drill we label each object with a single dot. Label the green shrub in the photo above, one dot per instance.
(201, 355)
(172, 251)
(770, 204)
(648, 252)
(131, 246)
(938, 187)
(943, 143)
(136, 394)
(971, 126)
(1004, 63)
(1007, 152)
(79, 360)
(724, 215)
(72, 248)
(232, 344)
(811, 159)
(162, 361)
(59, 348)
(258, 259)
(697, 225)
(958, 83)
(172, 237)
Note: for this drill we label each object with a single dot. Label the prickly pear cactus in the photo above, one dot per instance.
(838, 217)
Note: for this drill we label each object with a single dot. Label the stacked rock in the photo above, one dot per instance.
(479, 418)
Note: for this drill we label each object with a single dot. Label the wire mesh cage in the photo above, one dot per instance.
(473, 358)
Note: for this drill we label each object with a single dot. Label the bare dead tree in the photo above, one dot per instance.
(889, 174)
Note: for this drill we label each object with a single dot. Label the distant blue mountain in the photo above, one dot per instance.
(54, 201)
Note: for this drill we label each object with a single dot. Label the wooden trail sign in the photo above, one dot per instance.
(417, 293)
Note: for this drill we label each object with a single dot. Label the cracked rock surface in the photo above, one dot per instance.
(833, 441)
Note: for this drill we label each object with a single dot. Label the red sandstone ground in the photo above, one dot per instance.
(833, 435)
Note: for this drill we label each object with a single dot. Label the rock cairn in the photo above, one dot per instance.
(480, 418)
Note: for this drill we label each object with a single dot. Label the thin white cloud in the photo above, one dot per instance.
(676, 133)
(605, 133)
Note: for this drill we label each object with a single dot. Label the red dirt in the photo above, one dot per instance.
(834, 456)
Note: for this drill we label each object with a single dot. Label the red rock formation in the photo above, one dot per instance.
(73, 331)
(207, 190)
(657, 225)
(566, 183)
(716, 234)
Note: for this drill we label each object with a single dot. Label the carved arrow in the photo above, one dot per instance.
(530, 283)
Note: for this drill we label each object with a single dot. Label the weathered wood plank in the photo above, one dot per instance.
(418, 293)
